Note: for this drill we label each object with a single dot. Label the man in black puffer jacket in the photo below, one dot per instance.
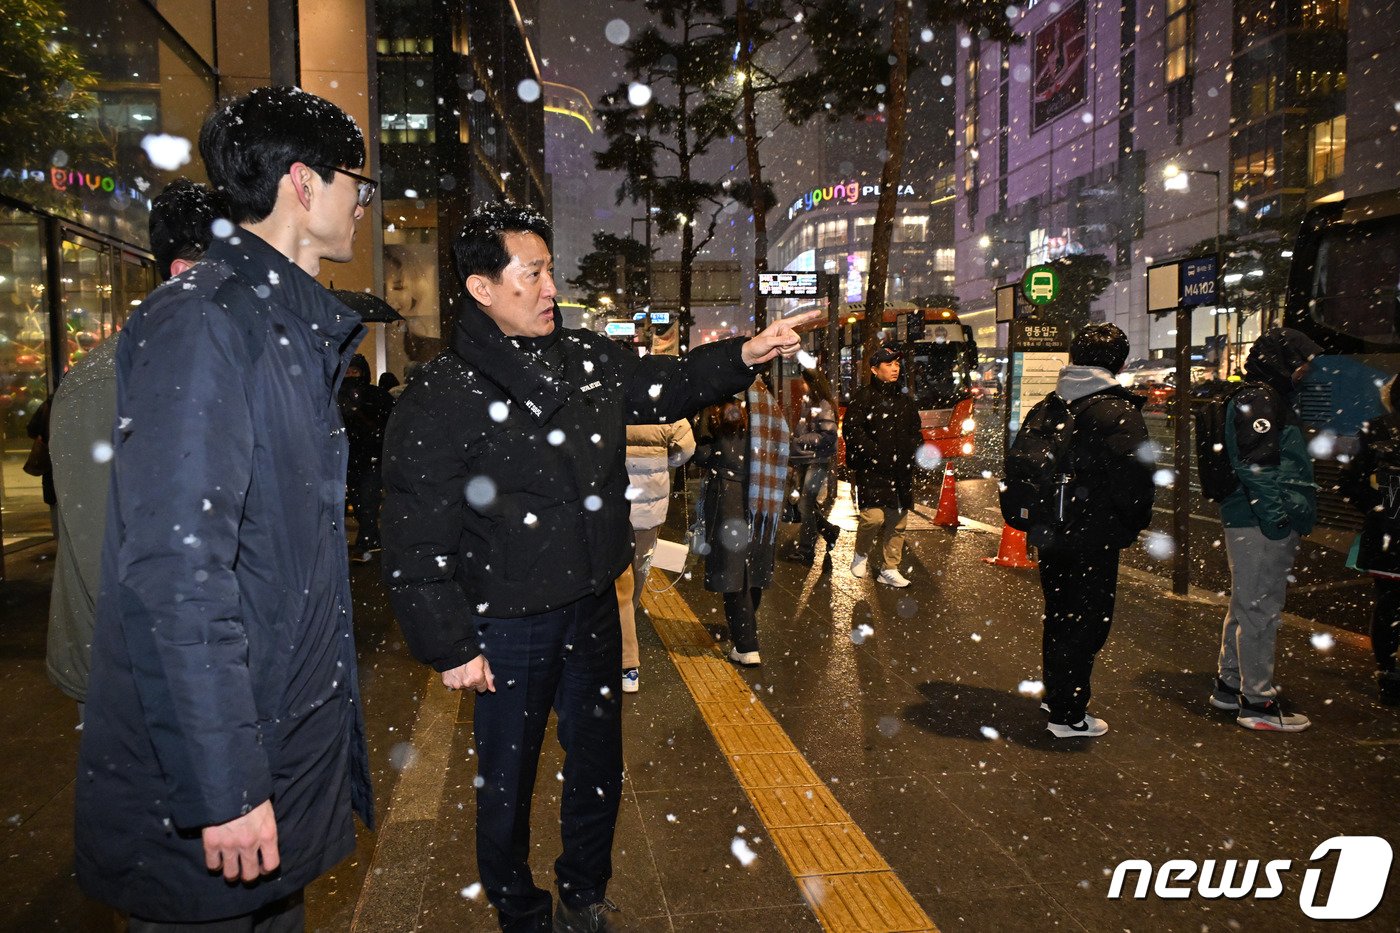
(1112, 503)
(505, 526)
(883, 433)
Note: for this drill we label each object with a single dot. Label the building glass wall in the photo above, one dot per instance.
(76, 184)
(454, 131)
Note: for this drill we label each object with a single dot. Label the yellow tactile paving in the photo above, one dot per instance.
(840, 873)
(875, 902)
(786, 769)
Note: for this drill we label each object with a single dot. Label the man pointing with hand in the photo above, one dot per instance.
(506, 523)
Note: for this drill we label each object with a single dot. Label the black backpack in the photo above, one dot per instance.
(1037, 488)
(1217, 474)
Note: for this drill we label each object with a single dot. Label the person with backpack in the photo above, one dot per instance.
(1371, 483)
(883, 433)
(1273, 504)
(1079, 481)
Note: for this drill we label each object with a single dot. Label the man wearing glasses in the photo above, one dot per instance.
(224, 749)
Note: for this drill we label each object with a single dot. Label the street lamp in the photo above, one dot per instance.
(1176, 178)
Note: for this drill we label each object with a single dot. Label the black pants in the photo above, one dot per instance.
(569, 659)
(1079, 587)
(1385, 622)
(364, 491)
(741, 613)
(287, 915)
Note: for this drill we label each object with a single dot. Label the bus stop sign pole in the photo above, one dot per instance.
(1181, 485)
(1176, 288)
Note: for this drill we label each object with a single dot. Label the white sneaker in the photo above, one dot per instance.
(892, 577)
(858, 566)
(1088, 726)
(631, 680)
(745, 658)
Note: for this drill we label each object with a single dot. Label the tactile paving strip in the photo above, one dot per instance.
(845, 881)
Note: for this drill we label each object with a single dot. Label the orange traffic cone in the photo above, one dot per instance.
(1012, 550)
(947, 515)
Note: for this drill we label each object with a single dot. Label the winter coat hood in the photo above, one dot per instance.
(1277, 355)
(1078, 382)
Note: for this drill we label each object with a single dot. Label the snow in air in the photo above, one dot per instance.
(742, 852)
(167, 153)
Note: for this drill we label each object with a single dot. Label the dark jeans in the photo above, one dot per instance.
(1079, 587)
(811, 480)
(1385, 622)
(741, 612)
(569, 659)
(287, 915)
(364, 491)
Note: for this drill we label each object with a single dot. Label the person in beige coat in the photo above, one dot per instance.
(653, 451)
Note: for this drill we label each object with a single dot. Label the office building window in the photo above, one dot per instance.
(1324, 14)
(944, 259)
(1180, 64)
(1329, 148)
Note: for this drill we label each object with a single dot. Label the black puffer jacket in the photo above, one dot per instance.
(883, 433)
(506, 478)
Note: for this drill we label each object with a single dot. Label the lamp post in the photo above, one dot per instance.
(1181, 400)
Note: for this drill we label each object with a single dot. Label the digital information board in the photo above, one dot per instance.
(788, 284)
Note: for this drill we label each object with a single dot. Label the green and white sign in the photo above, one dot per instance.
(1041, 284)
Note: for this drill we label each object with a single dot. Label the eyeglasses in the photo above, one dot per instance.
(365, 187)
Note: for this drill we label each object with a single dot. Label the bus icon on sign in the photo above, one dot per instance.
(1041, 285)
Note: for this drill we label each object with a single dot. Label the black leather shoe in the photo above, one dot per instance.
(590, 919)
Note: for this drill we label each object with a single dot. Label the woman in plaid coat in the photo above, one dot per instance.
(743, 449)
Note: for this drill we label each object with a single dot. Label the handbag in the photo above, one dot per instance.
(39, 462)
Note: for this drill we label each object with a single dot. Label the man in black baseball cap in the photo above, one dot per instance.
(882, 434)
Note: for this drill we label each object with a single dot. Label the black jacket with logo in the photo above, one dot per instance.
(504, 468)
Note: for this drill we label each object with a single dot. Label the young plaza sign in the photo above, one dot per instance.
(849, 191)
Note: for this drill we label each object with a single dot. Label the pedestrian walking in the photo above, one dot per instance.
(506, 525)
(1109, 476)
(1273, 506)
(84, 411)
(1371, 483)
(743, 449)
(224, 750)
(364, 408)
(653, 451)
(813, 449)
(883, 433)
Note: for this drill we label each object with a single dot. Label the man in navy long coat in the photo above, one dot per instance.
(224, 749)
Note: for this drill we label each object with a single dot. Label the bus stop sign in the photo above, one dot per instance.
(1041, 284)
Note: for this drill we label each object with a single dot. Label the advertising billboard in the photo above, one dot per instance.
(1061, 66)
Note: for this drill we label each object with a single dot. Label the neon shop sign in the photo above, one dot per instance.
(75, 181)
(851, 192)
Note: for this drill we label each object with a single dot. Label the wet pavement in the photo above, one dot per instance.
(906, 705)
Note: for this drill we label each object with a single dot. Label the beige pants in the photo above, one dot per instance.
(882, 531)
(630, 586)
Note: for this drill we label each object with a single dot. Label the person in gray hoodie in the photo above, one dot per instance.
(1112, 493)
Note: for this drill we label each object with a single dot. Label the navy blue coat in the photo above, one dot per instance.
(223, 661)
